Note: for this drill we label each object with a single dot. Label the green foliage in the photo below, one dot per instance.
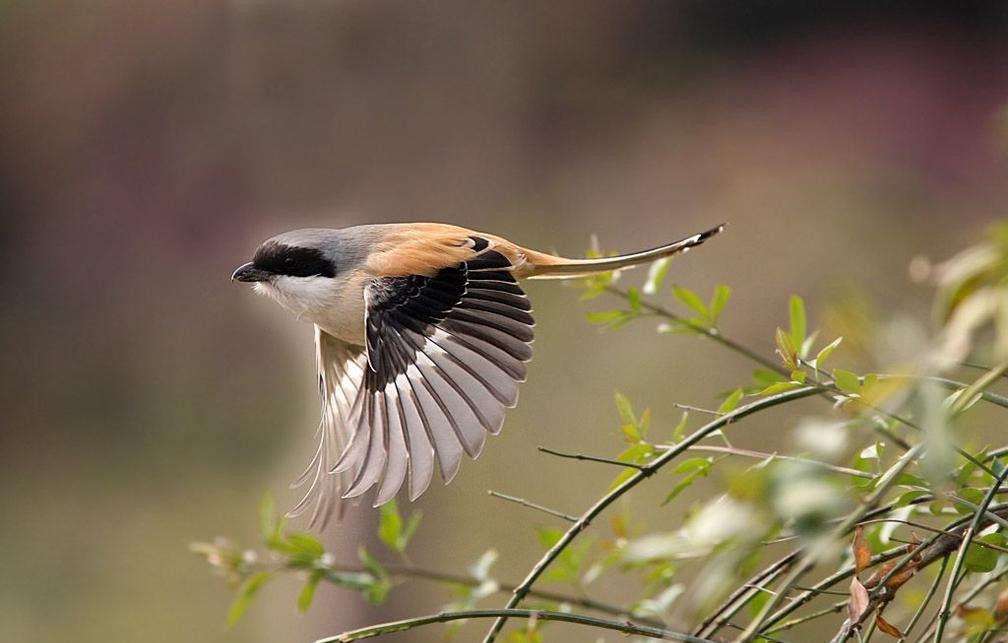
(393, 530)
(883, 462)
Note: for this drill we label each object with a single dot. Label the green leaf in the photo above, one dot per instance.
(605, 317)
(846, 381)
(390, 526)
(826, 351)
(680, 430)
(909, 497)
(308, 591)
(304, 546)
(780, 387)
(411, 526)
(694, 464)
(692, 300)
(645, 422)
(625, 409)
(786, 349)
(687, 480)
(656, 275)
(982, 559)
(633, 298)
(718, 301)
(246, 592)
(379, 589)
(798, 326)
(269, 525)
(731, 401)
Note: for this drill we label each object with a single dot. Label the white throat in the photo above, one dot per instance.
(335, 305)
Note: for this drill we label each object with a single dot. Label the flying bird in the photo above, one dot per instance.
(422, 336)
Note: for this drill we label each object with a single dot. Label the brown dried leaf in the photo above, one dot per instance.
(903, 576)
(858, 601)
(888, 628)
(862, 553)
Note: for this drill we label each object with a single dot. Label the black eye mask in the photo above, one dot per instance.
(293, 261)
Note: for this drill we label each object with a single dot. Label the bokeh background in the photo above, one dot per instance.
(148, 147)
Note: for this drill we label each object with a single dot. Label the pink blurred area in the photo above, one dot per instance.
(148, 147)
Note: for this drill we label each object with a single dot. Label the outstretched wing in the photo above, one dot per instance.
(341, 371)
(444, 357)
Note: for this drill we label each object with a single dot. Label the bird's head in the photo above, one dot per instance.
(303, 270)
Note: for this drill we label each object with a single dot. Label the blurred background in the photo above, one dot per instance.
(148, 147)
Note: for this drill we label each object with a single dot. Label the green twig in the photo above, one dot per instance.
(590, 458)
(656, 464)
(971, 531)
(531, 505)
(625, 626)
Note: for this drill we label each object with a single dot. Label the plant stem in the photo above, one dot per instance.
(583, 522)
(804, 565)
(762, 456)
(927, 598)
(590, 458)
(531, 505)
(971, 392)
(711, 333)
(971, 531)
(626, 627)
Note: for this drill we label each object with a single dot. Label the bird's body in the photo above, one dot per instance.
(422, 337)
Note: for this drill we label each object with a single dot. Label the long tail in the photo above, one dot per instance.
(544, 266)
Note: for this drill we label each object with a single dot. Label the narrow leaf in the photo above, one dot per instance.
(390, 526)
(731, 401)
(888, 628)
(798, 326)
(625, 409)
(246, 593)
(308, 591)
(846, 381)
(862, 552)
(633, 298)
(718, 301)
(692, 300)
(826, 351)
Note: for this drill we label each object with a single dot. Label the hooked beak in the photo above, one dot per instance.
(248, 272)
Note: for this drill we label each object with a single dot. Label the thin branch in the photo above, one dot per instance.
(763, 456)
(965, 600)
(927, 598)
(787, 625)
(738, 599)
(689, 407)
(626, 627)
(969, 505)
(935, 530)
(971, 531)
(881, 488)
(971, 392)
(531, 505)
(591, 458)
(711, 333)
(656, 464)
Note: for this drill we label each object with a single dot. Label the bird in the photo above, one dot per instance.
(422, 336)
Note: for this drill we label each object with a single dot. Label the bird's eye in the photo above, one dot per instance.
(288, 261)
